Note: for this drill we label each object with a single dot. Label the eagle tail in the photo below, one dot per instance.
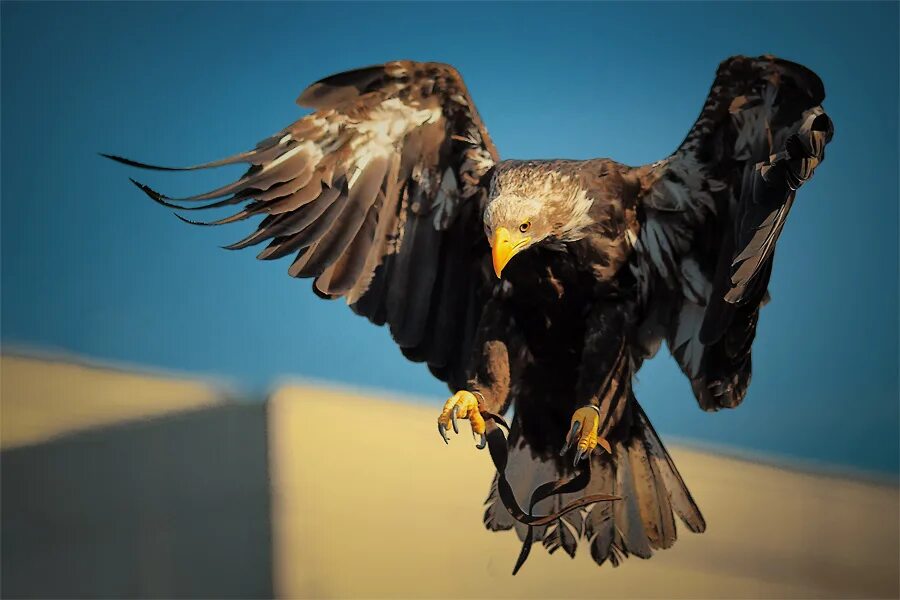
(639, 470)
(642, 473)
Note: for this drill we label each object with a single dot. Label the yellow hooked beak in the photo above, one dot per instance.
(503, 249)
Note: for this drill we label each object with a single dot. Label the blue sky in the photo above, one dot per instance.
(91, 266)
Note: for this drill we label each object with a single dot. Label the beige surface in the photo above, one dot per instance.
(368, 502)
(41, 399)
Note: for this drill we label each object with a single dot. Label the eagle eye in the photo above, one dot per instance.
(525, 226)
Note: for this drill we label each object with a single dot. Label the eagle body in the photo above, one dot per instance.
(550, 289)
(541, 285)
(552, 315)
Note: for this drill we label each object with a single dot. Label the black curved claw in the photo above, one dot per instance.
(453, 420)
(571, 437)
(443, 431)
(578, 457)
(481, 444)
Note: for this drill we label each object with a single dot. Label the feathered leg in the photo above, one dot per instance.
(488, 385)
(604, 379)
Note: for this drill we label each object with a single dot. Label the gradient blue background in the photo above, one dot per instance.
(90, 266)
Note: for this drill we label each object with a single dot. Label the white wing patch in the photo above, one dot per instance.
(391, 121)
(380, 134)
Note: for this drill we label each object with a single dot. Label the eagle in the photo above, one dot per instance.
(539, 287)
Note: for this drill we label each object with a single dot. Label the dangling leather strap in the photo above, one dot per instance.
(499, 449)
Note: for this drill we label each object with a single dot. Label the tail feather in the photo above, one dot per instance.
(600, 524)
(564, 532)
(629, 522)
(494, 519)
(640, 470)
(653, 500)
(680, 498)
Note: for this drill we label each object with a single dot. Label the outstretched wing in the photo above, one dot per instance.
(713, 212)
(378, 196)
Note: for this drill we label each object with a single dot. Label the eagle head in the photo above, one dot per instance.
(513, 223)
(530, 203)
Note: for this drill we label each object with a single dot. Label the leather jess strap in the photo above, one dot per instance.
(499, 449)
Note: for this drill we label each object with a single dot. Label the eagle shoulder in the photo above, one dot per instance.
(613, 190)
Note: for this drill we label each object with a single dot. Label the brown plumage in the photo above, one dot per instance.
(388, 193)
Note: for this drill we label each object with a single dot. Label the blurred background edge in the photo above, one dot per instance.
(124, 482)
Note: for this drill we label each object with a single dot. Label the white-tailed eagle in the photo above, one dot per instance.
(541, 284)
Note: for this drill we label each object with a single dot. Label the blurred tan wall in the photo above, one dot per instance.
(134, 486)
(41, 398)
(369, 503)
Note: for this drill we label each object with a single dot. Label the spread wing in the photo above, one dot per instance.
(713, 212)
(377, 195)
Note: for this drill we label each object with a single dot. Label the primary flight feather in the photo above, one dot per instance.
(541, 284)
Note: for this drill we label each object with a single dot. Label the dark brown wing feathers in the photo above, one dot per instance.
(713, 212)
(367, 193)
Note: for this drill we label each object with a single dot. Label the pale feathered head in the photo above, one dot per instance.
(532, 202)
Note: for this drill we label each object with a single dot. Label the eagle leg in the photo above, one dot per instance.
(604, 381)
(584, 434)
(489, 369)
(462, 405)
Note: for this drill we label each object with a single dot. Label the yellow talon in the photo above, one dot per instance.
(463, 405)
(584, 433)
